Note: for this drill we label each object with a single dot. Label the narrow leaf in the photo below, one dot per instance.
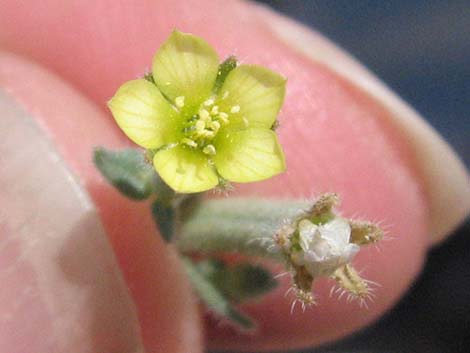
(213, 298)
(228, 65)
(241, 282)
(127, 171)
(245, 281)
(164, 216)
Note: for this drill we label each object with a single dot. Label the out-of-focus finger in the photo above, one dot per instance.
(83, 269)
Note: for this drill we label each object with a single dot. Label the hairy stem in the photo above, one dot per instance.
(243, 225)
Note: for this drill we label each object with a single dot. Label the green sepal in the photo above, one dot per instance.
(127, 171)
(323, 218)
(149, 77)
(275, 125)
(164, 216)
(240, 282)
(224, 69)
(214, 298)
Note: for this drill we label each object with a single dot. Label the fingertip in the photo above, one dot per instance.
(157, 292)
(446, 180)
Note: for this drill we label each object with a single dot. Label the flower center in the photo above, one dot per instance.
(201, 128)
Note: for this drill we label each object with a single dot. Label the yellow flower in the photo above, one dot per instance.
(198, 131)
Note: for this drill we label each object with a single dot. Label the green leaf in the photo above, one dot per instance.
(246, 281)
(127, 171)
(228, 65)
(241, 282)
(214, 298)
(164, 216)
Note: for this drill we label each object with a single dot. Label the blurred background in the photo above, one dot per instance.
(421, 49)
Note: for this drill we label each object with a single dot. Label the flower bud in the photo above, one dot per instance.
(320, 243)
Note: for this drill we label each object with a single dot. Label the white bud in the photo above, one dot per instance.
(325, 247)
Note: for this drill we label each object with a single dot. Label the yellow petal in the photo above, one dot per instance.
(185, 170)
(248, 155)
(144, 115)
(254, 93)
(185, 66)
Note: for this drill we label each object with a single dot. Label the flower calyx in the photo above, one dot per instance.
(320, 243)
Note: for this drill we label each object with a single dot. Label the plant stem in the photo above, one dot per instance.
(243, 225)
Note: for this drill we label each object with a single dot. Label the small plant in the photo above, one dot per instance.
(204, 124)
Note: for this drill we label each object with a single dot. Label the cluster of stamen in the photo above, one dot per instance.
(201, 128)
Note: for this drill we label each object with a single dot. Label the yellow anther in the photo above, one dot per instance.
(179, 101)
(208, 133)
(209, 102)
(215, 125)
(200, 125)
(235, 109)
(223, 117)
(225, 95)
(224, 120)
(215, 110)
(209, 149)
(188, 142)
(204, 114)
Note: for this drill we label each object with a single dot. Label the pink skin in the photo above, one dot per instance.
(336, 138)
